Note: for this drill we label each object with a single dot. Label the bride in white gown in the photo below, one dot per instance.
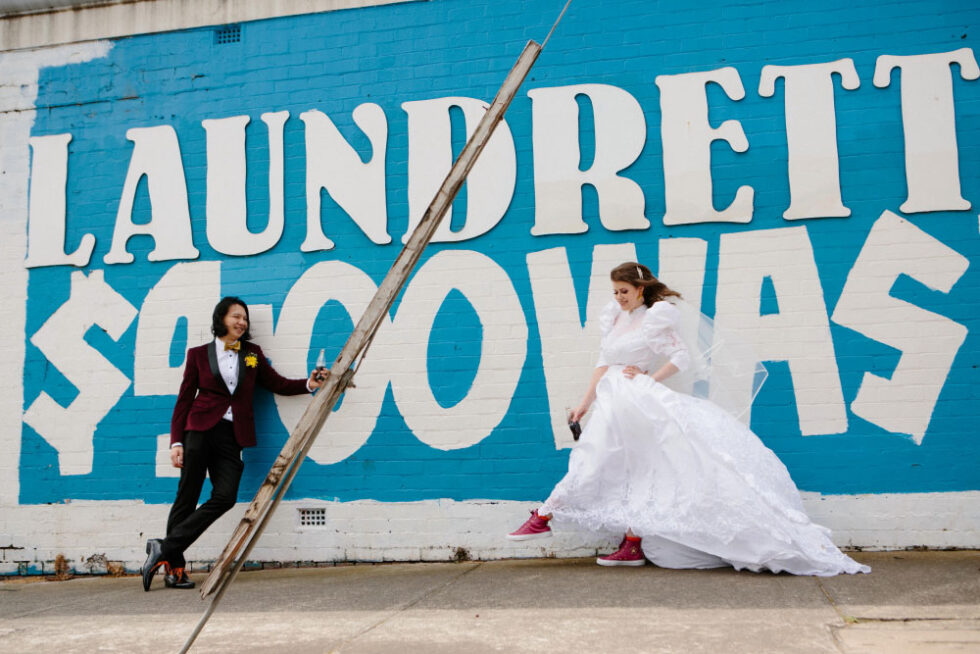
(690, 485)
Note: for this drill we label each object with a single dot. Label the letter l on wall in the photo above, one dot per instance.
(47, 206)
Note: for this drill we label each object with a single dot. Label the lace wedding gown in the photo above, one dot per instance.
(695, 483)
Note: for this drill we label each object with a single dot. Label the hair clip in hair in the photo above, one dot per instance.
(639, 272)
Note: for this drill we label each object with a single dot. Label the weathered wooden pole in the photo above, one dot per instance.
(293, 453)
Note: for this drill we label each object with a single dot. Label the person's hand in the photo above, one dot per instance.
(177, 456)
(578, 413)
(632, 371)
(317, 377)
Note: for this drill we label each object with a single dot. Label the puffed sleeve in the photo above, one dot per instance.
(660, 325)
(607, 318)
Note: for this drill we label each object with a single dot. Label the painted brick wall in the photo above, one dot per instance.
(455, 428)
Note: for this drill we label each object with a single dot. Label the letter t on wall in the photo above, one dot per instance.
(932, 167)
(811, 134)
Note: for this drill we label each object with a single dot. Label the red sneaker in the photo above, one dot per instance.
(534, 527)
(629, 553)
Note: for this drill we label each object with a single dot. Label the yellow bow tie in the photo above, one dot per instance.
(233, 346)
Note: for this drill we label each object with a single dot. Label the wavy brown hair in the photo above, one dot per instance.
(639, 275)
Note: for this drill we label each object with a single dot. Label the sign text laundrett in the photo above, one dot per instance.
(359, 188)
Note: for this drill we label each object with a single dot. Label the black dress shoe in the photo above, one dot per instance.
(154, 559)
(177, 578)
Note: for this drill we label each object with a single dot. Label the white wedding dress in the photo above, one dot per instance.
(695, 483)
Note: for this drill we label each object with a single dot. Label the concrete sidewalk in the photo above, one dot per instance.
(912, 602)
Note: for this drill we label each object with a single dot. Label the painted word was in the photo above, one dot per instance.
(799, 335)
(359, 187)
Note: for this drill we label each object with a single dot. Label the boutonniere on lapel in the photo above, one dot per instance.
(251, 360)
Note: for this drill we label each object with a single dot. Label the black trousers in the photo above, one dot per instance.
(215, 453)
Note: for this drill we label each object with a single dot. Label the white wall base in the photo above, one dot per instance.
(431, 530)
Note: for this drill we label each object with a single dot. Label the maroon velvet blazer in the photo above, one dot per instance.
(203, 397)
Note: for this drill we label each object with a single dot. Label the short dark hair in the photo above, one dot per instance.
(221, 310)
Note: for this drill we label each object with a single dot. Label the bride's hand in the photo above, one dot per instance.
(578, 412)
(632, 371)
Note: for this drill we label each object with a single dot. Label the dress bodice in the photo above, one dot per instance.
(645, 337)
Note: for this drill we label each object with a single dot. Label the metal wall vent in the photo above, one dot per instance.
(228, 34)
(312, 517)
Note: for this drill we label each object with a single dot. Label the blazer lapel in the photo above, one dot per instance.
(213, 362)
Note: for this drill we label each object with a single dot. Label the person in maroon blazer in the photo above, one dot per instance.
(212, 422)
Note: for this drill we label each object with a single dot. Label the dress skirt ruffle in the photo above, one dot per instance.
(697, 485)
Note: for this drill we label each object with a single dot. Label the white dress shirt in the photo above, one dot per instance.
(228, 367)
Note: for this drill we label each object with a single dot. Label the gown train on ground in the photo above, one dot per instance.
(696, 484)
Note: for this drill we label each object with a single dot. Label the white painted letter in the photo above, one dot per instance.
(358, 187)
(100, 384)
(811, 134)
(504, 349)
(687, 136)
(227, 211)
(188, 290)
(681, 265)
(620, 133)
(156, 154)
(798, 334)
(932, 164)
(490, 184)
(352, 423)
(47, 215)
(928, 341)
(569, 350)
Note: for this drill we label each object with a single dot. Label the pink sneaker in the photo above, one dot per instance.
(534, 527)
(629, 553)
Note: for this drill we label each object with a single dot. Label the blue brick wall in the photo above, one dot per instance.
(392, 54)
